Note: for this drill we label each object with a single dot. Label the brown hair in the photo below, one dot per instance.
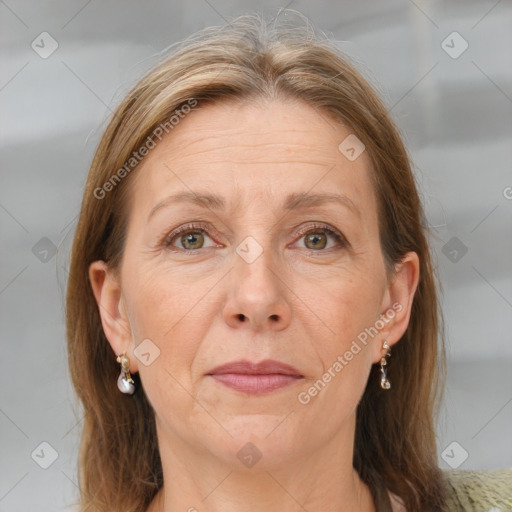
(395, 448)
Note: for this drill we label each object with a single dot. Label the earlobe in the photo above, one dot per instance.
(114, 320)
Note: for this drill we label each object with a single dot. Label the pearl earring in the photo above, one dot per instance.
(125, 382)
(384, 381)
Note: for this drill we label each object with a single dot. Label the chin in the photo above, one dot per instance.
(257, 441)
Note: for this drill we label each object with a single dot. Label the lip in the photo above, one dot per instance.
(256, 378)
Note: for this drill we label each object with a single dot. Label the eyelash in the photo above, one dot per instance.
(167, 240)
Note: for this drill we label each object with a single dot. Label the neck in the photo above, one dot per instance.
(323, 479)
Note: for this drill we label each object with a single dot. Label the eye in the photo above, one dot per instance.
(190, 237)
(316, 237)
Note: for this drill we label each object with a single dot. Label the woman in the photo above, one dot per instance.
(251, 267)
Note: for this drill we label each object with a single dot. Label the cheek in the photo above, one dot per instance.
(173, 313)
(346, 305)
(161, 301)
(338, 399)
(346, 358)
(163, 311)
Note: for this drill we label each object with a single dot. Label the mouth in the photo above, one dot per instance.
(256, 378)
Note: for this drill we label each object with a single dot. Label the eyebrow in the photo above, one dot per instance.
(293, 201)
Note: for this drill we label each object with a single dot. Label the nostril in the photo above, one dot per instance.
(273, 317)
(241, 317)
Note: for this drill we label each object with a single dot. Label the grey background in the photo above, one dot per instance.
(455, 114)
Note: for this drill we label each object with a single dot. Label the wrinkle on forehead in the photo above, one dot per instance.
(218, 139)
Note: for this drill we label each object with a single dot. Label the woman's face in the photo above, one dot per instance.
(268, 267)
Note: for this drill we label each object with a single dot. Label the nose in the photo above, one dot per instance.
(258, 297)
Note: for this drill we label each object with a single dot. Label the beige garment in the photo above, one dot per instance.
(479, 491)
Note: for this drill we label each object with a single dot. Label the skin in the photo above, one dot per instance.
(303, 304)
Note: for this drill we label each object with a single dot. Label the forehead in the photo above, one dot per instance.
(247, 150)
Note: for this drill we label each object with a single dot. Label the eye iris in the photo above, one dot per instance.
(315, 238)
(194, 238)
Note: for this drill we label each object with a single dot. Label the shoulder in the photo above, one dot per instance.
(479, 491)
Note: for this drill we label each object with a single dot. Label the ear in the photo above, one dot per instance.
(397, 301)
(112, 309)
